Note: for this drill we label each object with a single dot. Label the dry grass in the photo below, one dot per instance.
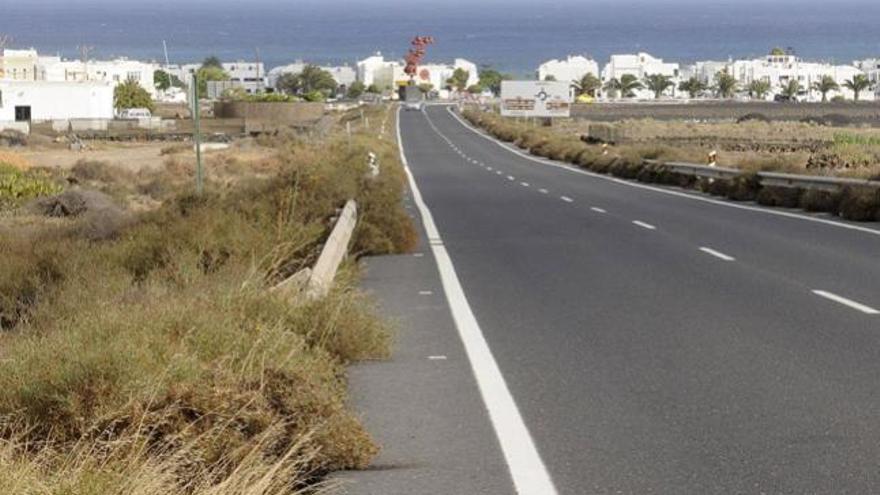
(627, 161)
(154, 361)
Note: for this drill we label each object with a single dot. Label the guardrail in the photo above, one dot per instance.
(771, 179)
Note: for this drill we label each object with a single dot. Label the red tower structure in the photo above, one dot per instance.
(415, 55)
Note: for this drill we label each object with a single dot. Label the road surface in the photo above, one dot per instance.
(652, 340)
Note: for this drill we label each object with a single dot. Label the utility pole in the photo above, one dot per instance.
(259, 75)
(197, 132)
(85, 50)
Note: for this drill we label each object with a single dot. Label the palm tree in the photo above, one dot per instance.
(658, 83)
(759, 88)
(587, 85)
(626, 86)
(693, 87)
(725, 84)
(791, 90)
(826, 85)
(857, 84)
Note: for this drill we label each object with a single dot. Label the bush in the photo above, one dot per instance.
(17, 186)
(861, 204)
(746, 187)
(164, 338)
(815, 200)
(786, 197)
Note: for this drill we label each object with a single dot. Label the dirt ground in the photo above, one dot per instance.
(132, 157)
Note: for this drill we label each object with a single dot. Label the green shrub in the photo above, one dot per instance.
(17, 186)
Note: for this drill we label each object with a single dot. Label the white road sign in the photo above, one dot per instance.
(535, 99)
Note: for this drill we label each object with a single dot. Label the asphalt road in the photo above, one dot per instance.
(654, 341)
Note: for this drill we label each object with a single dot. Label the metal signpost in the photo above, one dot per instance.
(541, 99)
(197, 132)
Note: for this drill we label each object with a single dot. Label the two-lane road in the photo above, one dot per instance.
(656, 343)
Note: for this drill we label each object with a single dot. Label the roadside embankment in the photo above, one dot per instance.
(628, 161)
(153, 359)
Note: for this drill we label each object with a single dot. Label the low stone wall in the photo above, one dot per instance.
(839, 112)
(268, 116)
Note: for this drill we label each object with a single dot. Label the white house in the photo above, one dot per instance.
(779, 70)
(871, 68)
(249, 75)
(23, 101)
(114, 71)
(276, 72)
(437, 75)
(640, 66)
(375, 70)
(573, 68)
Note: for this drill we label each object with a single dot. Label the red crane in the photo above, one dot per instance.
(415, 55)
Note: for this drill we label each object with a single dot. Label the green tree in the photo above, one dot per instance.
(163, 80)
(658, 84)
(474, 89)
(759, 88)
(209, 73)
(693, 87)
(311, 79)
(372, 88)
(212, 61)
(826, 85)
(130, 94)
(459, 79)
(791, 90)
(356, 89)
(550, 78)
(725, 85)
(857, 84)
(626, 86)
(491, 80)
(589, 84)
(777, 52)
(426, 88)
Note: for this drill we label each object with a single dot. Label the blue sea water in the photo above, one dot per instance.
(513, 36)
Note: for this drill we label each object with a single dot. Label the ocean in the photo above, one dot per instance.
(513, 36)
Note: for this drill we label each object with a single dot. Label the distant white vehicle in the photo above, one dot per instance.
(135, 113)
(413, 105)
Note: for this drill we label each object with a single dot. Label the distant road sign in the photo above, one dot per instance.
(535, 99)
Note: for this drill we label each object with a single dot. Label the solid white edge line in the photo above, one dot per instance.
(644, 225)
(679, 194)
(847, 302)
(717, 254)
(530, 476)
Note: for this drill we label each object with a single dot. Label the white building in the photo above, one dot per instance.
(113, 71)
(871, 68)
(779, 70)
(640, 66)
(384, 74)
(573, 68)
(24, 101)
(438, 75)
(249, 75)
